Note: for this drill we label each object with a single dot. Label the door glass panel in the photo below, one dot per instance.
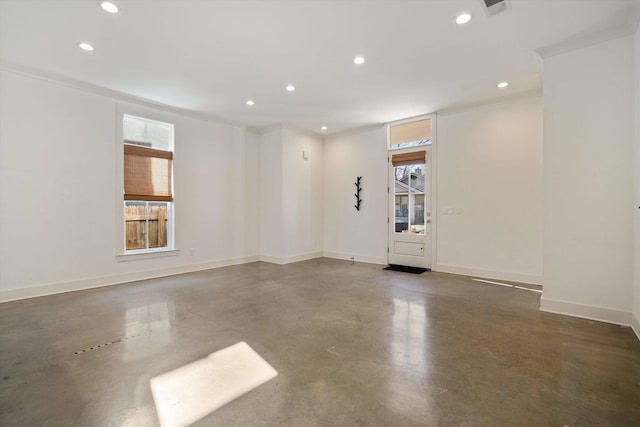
(417, 214)
(402, 213)
(417, 178)
(417, 199)
(409, 199)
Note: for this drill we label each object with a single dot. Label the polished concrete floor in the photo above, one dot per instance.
(353, 345)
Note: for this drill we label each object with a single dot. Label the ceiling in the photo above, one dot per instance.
(210, 57)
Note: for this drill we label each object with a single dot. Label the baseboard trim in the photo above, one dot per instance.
(489, 274)
(291, 258)
(601, 314)
(271, 259)
(355, 257)
(635, 325)
(98, 282)
(301, 257)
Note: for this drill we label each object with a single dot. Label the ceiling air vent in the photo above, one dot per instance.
(496, 6)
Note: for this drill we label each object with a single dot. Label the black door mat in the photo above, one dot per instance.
(406, 269)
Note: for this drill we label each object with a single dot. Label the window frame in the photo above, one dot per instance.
(122, 254)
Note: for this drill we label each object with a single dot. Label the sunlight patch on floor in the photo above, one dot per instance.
(191, 392)
(508, 285)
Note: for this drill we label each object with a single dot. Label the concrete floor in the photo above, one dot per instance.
(354, 346)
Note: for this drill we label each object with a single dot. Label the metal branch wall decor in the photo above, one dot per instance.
(358, 189)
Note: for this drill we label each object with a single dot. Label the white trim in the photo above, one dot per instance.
(601, 314)
(98, 282)
(407, 120)
(303, 131)
(269, 128)
(354, 131)
(271, 259)
(301, 257)
(134, 256)
(635, 325)
(531, 279)
(290, 259)
(355, 257)
(434, 189)
(489, 103)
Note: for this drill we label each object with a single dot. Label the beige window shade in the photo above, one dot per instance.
(404, 159)
(147, 174)
(409, 132)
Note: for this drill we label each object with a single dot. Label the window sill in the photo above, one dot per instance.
(134, 256)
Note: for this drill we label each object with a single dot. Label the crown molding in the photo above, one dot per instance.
(112, 94)
(609, 30)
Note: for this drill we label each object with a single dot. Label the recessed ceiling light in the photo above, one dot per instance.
(109, 7)
(502, 85)
(358, 60)
(86, 46)
(323, 128)
(463, 18)
(250, 103)
(290, 88)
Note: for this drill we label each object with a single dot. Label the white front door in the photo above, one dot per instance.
(410, 209)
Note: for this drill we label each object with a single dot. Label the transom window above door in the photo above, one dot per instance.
(410, 134)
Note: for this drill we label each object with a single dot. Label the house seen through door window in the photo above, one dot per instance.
(409, 198)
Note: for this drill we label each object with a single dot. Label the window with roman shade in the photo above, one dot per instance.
(147, 173)
(148, 184)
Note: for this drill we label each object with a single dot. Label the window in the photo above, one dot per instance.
(410, 134)
(148, 184)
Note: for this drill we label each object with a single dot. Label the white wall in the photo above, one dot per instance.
(490, 174)
(636, 307)
(271, 222)
(588, 182)
(291, 195)
(348, 232)
(57, 191)
(252, 193)
(209, 169)
(302, 210)
(489, 164)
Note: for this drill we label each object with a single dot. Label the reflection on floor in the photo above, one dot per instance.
(353, 345)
